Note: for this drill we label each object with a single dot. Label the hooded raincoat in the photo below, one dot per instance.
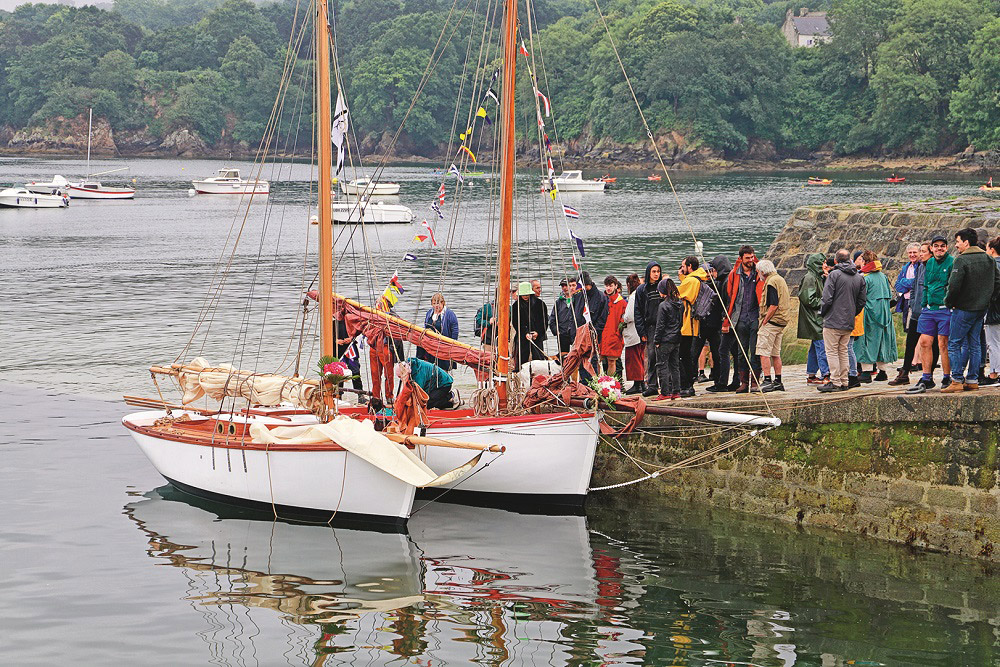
(689, 289)
(640, 302)
(811, 299)
(878, 342)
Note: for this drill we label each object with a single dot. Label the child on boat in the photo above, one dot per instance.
(667, 338)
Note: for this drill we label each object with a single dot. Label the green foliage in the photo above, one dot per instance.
(899, 75)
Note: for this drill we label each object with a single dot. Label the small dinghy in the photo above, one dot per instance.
(813, 180)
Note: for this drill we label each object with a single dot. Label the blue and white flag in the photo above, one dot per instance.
(409, 257)
(571, 212)
(579, 243)
(454, 170)
(437, 209)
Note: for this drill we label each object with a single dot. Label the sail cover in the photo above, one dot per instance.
(199, 378)
(359, 437)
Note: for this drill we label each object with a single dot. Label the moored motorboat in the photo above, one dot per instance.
(366, 186)
(367, 211)
(573, 181)
(228, 181)
(25, 198)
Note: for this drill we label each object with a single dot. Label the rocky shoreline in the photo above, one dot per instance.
(68, 137)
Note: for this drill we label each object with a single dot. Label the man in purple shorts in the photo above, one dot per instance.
(935, 317)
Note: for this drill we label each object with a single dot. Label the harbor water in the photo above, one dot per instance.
(104, 564)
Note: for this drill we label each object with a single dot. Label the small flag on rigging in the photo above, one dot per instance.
(351, 353)
(454, 170)
(579, 243)
(441, 194)
(467, 150)
(430, 231)
(482, 114)
(523, 51)
(575, 264)
(545, 101)
(493, 78)
(548, 163)
(420, 238)
(493, 96)
(338, 134)
(571, 213)
(548, 144)
(410, 257)
(437, 209)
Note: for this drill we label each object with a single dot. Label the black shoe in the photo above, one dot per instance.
(733, 386)
(636, 388)
(985, 382)
(865, 377)
(702, 378)
(715, 389)
(881, 377)
(945, 381)
(853, 382)
(650, 392)
(687, 393)
(921, 386)
(829, 387)
(774, 386)
(764, 386)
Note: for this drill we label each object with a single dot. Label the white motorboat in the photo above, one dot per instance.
(370, 212)
(229, 182)
(57, 186)
(365, 186)
(573, 181)
(25, 198)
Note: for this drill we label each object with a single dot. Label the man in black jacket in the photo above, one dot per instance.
(566, 315)
(711, 327)
(527, 316)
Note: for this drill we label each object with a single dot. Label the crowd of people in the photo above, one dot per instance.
(658, 332)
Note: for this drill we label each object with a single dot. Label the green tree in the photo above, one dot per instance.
(975, 106)
(198, 104)
(235, 18)
(859, 27)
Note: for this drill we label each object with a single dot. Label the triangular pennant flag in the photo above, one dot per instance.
(409, 257)
(493, 96)
(441, 194)
(579, 242)
(454, 170)
(575, 264)
(493, 78)
(523, 51)
(466, 149)
(548, 163)
(420, 238)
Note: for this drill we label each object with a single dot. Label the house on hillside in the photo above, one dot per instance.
(807, 29)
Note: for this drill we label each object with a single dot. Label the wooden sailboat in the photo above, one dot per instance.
(287, 451)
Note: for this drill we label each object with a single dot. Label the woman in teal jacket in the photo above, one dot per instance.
(878, 344)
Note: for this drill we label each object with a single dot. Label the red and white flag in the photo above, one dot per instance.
(545, 101)
(523, 51)
(441, 195)
(430, 232)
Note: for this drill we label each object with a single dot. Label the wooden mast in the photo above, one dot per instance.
(325, 167)
(506, 197)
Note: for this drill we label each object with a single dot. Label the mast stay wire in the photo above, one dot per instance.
(670, 181)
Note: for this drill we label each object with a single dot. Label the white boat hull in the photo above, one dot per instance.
(371, 212)
(302, 483)
(369, 189)
(580, 186)
(244, 188)
(25, 199)
(549, 461)
(77, 192)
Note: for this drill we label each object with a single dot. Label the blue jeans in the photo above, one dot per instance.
(816, 361)
(964, 345)
(852, 360)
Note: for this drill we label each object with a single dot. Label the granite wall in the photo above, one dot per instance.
(883, 228)
(920, 470)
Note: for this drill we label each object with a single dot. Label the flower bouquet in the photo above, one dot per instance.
(608, 389)
(333, 372)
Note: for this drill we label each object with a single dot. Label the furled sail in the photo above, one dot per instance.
(375, 325)
(199, 378)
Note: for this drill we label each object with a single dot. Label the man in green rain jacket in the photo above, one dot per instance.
(810, 321)
(878, 344)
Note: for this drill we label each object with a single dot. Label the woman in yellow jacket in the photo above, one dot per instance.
(693, 278)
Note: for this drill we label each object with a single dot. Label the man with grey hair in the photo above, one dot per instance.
(775, 311)
(844, 297)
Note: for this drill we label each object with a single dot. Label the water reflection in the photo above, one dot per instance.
(467, 585)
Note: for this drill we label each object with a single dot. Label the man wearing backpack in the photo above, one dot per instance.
(775, 302)
(693, 279)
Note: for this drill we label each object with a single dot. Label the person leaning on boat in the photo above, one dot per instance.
(443, 320)
(432, 379)
(566, 315)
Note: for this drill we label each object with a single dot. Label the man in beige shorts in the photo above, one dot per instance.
(774, 313)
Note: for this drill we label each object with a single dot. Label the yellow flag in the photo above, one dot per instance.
(481, 113)
(553, 193)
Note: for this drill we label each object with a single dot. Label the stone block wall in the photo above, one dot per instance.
(922, 471)
(885, 229)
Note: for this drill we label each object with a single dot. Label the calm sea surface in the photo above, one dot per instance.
(101, 564)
